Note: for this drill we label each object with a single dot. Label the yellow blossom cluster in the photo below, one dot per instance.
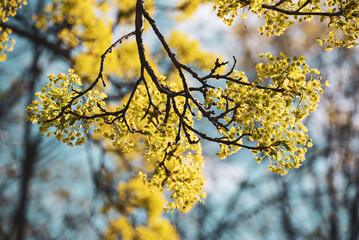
(64, 109)
(270, 111)
(342, 17)
(7, 8)
(181, 174)
(175, 168)
(48, 110)
(82, 18)
(188, 7)
(135, 195)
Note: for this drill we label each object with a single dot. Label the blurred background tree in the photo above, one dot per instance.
(53, 192)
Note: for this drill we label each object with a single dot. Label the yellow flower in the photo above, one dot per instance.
(327, 83)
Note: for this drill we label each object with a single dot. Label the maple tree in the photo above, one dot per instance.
(162, 109)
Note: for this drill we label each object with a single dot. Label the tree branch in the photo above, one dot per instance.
(296, 12)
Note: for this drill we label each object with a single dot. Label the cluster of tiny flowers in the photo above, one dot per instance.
(7, 8)
(344, 29)
(65, 110)
(58, 110)
(177, 168)
(270, 114)
(180, 171)
(182, 176)
(343, 32)
(136, 195)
